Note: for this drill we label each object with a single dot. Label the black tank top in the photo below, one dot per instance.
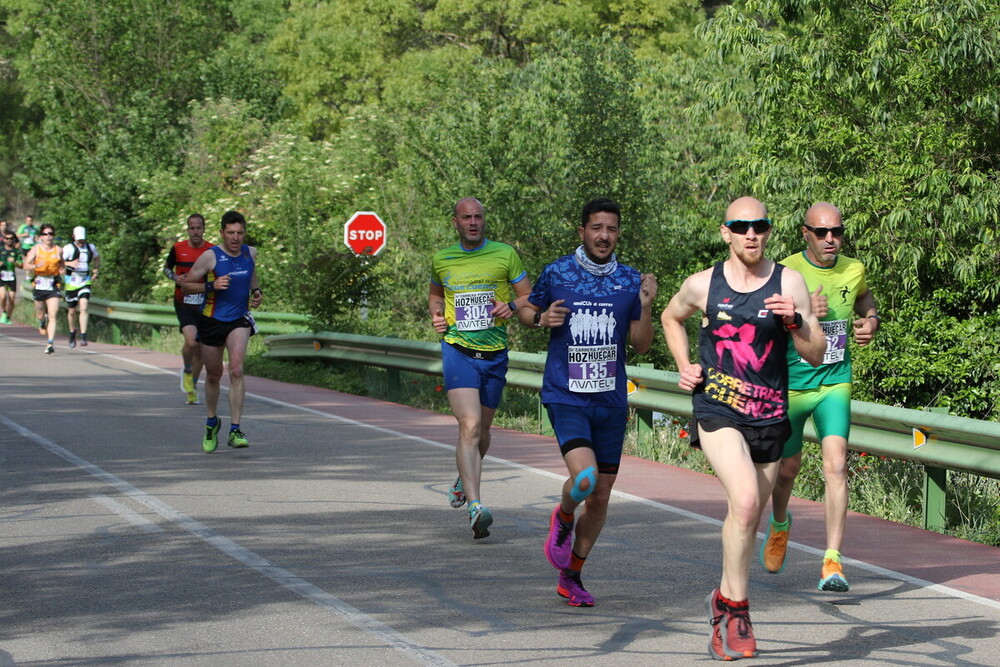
(742, 352)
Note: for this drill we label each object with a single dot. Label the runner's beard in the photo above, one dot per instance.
(750, 259)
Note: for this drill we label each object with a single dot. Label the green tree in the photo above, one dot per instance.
(890, 110)
(113, 80)
(536, 141)
(334, 56)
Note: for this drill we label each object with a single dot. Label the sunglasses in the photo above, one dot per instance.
(743, 226)
(46, 234)
(821, 232)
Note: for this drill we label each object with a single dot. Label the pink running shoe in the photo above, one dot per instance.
(571, 588)
(559, 545)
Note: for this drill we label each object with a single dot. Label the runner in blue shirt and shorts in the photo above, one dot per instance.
(592, 305)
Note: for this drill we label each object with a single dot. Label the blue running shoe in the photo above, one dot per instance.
(456, 494)
(480, 518)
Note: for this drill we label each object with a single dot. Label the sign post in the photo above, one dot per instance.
(365, 234)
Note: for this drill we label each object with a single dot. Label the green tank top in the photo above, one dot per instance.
(842, 284)
(471, 278)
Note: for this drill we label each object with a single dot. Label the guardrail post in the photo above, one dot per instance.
(393, 385)
(935, 492)
(644, 420)
(116, 333)
(935, 498)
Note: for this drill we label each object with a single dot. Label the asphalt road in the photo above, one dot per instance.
(329, 541)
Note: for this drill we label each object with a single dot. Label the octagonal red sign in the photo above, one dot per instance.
(364, 233)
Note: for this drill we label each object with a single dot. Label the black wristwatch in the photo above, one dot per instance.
(796, 322)
(537, 320)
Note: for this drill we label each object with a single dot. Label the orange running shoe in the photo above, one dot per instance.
(737, 633)
(717, 622)
(833, 577)
(772, 551)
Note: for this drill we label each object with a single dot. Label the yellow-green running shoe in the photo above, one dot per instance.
(211, 440)
(480, 518)
(187, 383)
(237, 440)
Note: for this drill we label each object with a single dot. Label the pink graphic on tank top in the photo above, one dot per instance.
(739, 343)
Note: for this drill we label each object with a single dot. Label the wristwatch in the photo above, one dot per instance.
(537, 320)
(796, 322)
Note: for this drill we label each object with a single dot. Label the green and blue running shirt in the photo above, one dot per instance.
(471, 279)
(842, 284)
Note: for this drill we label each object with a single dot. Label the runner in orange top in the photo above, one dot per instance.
(45, 261)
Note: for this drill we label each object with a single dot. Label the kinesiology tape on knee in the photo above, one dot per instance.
(589, 475)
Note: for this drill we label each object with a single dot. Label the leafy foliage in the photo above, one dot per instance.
(128, 116)
(890, 111)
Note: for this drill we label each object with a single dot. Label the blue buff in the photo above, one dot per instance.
(589, 475)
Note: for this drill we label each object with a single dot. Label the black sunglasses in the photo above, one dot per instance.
(743, 226)
(821, 232)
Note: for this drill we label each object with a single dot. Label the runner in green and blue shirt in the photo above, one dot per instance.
(475, 288)
(10, 261)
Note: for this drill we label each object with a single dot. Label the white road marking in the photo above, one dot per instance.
(283, 577)
(134, 518)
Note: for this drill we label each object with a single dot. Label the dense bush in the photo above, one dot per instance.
(130, 115)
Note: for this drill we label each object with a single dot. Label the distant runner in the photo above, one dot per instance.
(474, 289)
(227, 275)
(44, 260)
(81, 260)
(181, 258)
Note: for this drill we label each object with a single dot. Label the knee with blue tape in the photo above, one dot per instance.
(586, 475)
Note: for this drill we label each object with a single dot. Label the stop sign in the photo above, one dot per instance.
(364, 233)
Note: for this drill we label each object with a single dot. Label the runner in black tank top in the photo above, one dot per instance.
(742, 354)
(751, 306)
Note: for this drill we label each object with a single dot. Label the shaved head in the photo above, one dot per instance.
(823, 211)
(746, 208)
(467, 200)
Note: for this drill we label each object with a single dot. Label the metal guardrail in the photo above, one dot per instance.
(951, 443)
(159, 315)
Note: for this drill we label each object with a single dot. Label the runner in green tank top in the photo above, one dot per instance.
(839, 293)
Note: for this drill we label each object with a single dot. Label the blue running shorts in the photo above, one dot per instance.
(601, 426)
(463, 370)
